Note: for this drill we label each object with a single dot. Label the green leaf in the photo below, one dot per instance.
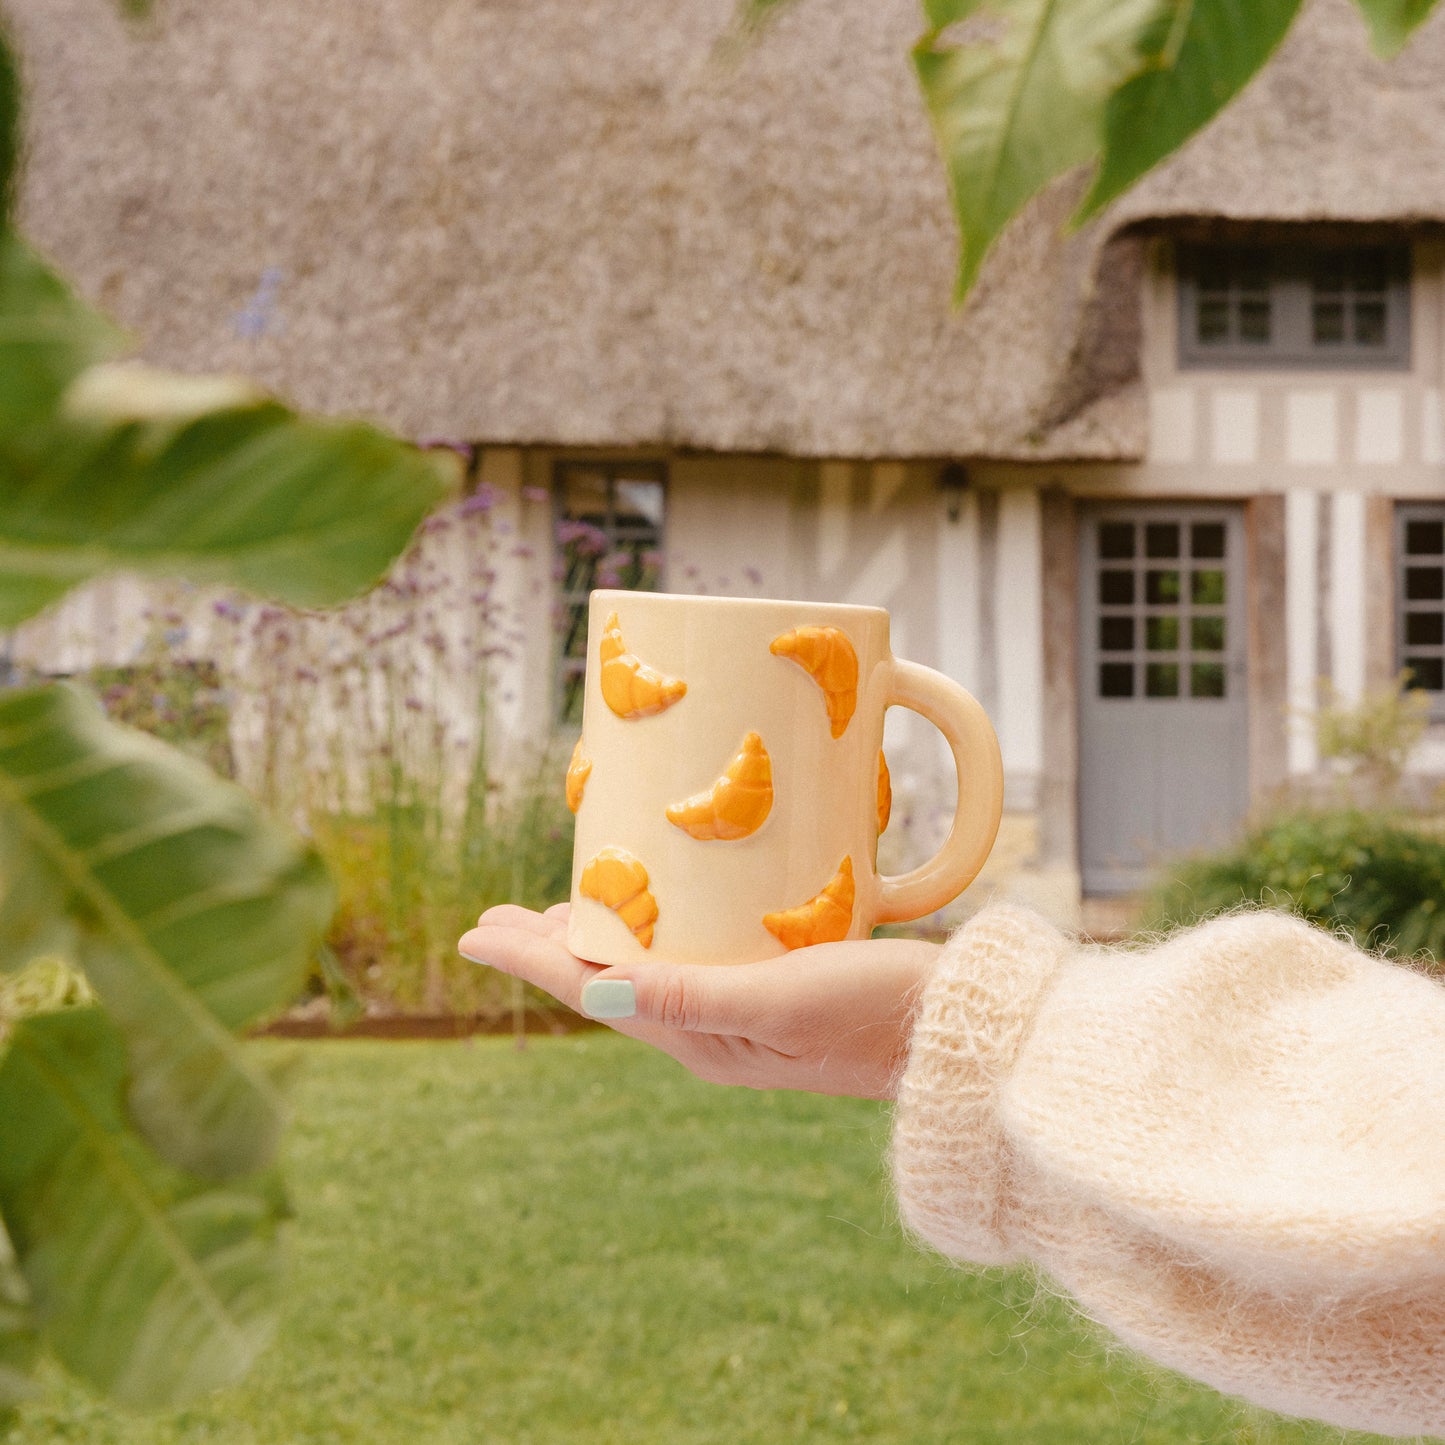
(1016, 90)
(19, 1342)
(1392, 22)
(1223, 44)
(191, 914)
(149, 1285)
(9, 125)
(47, 337)
(204, 479)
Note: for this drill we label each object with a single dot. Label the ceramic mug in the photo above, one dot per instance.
(730, 784)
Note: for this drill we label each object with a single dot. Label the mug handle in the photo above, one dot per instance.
(963, 722)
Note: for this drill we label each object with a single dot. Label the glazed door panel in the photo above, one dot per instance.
(1163, 715)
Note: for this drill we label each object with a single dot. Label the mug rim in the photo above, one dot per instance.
(708, 597)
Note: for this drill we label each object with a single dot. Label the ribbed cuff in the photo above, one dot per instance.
(950, 1159)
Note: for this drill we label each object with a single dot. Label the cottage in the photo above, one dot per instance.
(690, 307)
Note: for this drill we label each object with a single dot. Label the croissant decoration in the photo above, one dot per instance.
(578, 771)
(616, 879)
(737, 804)
(824, 919)
(630, 687)
(827, 656)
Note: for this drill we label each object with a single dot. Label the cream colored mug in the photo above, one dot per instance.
(730, 784)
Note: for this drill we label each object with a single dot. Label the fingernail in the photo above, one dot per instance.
(472, 958)
(609, 998)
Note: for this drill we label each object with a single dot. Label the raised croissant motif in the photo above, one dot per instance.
(619, 881)
(578, 771)
(825, 918)
(630, 687)
(827, 656)
(737, 804)
(885, 792)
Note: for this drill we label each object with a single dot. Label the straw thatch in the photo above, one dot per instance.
(566, 221)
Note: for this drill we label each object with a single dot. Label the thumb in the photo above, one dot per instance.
(690, 998)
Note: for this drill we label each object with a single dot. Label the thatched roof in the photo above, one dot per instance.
(564, 221)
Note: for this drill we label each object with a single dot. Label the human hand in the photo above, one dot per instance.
(832, 1019)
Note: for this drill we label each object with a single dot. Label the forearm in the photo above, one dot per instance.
(1226, 1148)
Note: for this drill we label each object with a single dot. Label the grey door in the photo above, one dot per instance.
(1163, 716)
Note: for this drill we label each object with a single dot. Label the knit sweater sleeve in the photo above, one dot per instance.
(1230, 1149)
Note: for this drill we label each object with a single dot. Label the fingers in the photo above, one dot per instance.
(532, 946)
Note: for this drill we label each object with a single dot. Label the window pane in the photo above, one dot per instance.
(1116, 589)
(1424, 629)
(1427, 672)
(1211, 320)
(1116, 539)
(1206, 634)
(1161, 634)
(1161, 539)
(639, 502)
(1206, 679)
(1161, 587)
(1329, 323)
(1206, 539)
(1116, 634)
(1254, 321)
(1369, 323)
(1116, 679)
(1161, 679)
(1207, 588)
(1424, 584)
(1425, 538)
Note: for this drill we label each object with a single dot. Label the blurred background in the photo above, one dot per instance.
(1166, 494)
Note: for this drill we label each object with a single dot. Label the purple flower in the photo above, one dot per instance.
(536, 494)
(522, 550)
(590, 541)
(482, 500)
(651, 558)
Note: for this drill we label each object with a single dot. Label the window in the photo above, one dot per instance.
(609, 534)
(1312, 306)
(1420, 598)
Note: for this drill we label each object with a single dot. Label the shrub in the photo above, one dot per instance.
(1372, 875)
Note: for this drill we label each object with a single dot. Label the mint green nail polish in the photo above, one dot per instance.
(609, 998)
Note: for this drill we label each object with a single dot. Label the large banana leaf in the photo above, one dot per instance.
(1016, 90)
(150, 1285)
(191, 913)
(1204, 63)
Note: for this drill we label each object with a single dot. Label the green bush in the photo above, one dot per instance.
(1372, 875)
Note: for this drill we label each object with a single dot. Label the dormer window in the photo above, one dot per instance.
(1294, 306)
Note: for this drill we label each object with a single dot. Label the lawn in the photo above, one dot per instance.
(579, 1243)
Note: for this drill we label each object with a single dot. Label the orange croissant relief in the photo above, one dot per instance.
(619, 881)
(823, 919)
(885, 792)
(578, 771)
(827, 656)
(737, 804)
(630, 687)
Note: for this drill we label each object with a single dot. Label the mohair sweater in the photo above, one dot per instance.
(1229, 1148)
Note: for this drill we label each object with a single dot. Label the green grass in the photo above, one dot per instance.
(579, 1243)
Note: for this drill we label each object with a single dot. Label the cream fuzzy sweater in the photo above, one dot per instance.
(1230, 1149)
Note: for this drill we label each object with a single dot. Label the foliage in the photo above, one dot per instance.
(1020, 92)
(1374, 737)
(581, 1243)
(1374, 875)
(137, 1199)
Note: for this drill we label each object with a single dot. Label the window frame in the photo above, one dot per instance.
(1292, 271)
(613, 470)
(1405, 513)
